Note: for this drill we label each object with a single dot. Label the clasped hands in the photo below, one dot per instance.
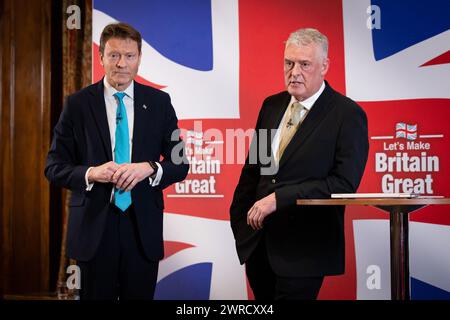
(124, 176)
(260, 210)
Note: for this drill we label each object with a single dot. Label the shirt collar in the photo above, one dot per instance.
(308, 103)
(110, 90)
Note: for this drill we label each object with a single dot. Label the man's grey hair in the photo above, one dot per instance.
(303, 37)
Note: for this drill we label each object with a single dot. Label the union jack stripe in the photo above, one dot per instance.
(411, 136)
(400, 126)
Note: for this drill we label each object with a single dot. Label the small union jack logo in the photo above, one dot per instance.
(406, 131)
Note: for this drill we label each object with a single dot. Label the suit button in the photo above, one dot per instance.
(274, 181)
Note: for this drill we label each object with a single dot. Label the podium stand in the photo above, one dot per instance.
(399, 209)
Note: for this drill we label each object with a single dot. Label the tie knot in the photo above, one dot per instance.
(297, 107)
(120, 95)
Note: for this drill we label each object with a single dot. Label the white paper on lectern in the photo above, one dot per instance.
(373, 195)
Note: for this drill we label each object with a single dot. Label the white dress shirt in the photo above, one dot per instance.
(111, 103)
(308, 104)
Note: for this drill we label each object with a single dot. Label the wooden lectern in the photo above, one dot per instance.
(399, 209)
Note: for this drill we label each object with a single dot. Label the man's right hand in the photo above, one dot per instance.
(103, 173)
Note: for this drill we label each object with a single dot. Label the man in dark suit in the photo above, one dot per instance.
(106, 149)
(320, 147)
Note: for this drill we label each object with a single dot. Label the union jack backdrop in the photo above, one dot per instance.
(219, 59)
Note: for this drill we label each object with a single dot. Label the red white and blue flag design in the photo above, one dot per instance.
(406, 131)
(219, 59)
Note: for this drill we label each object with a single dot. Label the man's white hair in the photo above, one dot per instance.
(303, 37)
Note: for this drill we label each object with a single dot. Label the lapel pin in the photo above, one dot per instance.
(144, 106)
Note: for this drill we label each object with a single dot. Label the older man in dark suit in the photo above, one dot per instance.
(106, 149)
(320, 147)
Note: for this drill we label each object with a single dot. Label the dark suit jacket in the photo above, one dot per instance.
(82, 139)
(327, 155)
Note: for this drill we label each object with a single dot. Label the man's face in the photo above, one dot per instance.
(120, 59)
(304, 69)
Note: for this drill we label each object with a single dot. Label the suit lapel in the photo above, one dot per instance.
(278, 110)
(276, 113)
(319, 110)
(98, 108)
(139, 122)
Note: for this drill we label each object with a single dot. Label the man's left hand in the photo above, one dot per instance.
(260, 210)
(130, 174)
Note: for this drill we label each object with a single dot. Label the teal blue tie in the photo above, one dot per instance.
(122, 199)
